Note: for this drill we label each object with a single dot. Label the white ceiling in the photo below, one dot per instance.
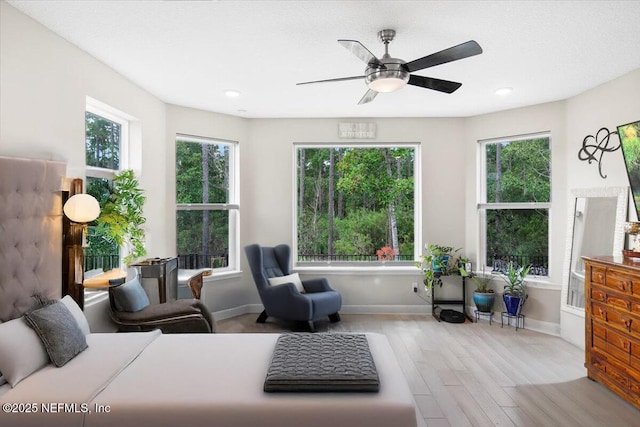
(189, 52)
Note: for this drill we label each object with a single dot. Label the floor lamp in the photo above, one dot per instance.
(79, 210)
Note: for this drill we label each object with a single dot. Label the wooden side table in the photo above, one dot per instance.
(101, 281)
(193, 279)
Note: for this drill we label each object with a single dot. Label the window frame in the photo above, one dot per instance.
(107, 112)
(233, 205)
(483, 206)
(346, 266)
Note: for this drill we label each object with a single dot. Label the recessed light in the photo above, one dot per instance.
(504, 91)
(242, 111)
(231, 93)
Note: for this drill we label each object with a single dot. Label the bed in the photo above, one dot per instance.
(149, 378)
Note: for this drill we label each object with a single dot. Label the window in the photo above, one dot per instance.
(106, 137)
(357, 205)
(207, 209)
(515, 202)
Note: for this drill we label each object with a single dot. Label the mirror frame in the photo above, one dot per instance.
(622, 194)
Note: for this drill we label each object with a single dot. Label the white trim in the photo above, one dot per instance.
(417, 309)
(622, 194)
(110, 113)
(483, 206)
(541, 326)
(359, 271)
(219, 274)
(232, 205)
(237, 311)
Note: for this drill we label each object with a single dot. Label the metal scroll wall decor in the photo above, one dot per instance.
(594, 147)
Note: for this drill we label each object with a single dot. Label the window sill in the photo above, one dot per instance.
(352, 270)
(95, 297)
(214, 277)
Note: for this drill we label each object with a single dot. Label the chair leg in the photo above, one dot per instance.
(312, 327)
(263, 317)
(335, 317)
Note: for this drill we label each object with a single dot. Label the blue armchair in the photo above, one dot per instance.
(285, 301)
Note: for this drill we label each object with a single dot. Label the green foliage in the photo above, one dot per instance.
(518, 171)
(202, 176)
(102, 142)
(121, 218)
(433, 266)
(481, 280)
(630, 140)
(97, 243)
(515, 280)
(364, 190)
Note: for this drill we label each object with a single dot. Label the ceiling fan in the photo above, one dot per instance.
(389, 74)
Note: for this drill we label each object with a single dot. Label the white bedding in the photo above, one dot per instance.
(199, 380)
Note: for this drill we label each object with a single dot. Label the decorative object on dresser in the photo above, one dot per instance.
(612, 327)
(632, 229)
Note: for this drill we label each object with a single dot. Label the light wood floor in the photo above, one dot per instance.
(474, 374)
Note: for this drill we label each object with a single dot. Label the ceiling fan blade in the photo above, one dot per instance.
(361, 52)
(340, 79)
(434, 84)
(368, 97)
(461, 51)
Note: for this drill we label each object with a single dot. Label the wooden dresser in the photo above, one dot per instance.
(612, 290)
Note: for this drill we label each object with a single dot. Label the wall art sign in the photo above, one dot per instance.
(594, 147)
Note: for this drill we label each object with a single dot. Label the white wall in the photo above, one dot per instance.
(268, 188)
(44, 83)
(609, 105)
(543, 304)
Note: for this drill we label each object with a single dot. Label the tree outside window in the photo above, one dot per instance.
(516, 202)
(206, 203)
(103, 144)
(356, 204)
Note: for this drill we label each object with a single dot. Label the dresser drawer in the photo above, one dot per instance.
(613, 374)
(599, 295)
(598, 274)
(613, 319)
(620, 281)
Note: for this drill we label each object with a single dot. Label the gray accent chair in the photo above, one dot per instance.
(284, 301)
(171, 317)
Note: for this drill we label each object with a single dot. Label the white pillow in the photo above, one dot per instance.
(292, 278)
(77, 313)
(21, 351)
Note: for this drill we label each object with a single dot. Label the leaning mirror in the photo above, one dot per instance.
(595, 223)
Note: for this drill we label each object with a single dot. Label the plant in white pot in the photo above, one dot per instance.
(515, 291)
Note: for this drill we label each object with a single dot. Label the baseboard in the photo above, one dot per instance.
(237, 311)
(532, 324)
(529, 323)
(386, 309)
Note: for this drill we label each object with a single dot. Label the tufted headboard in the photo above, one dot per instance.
(30, 233)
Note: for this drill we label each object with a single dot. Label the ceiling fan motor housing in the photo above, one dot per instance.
(388, 79)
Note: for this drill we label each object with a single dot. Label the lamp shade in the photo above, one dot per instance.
(82, 208)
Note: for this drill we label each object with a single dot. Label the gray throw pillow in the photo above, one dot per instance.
(57, 328)
(130, 296)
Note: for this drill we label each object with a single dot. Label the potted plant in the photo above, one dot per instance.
(121, 217)
(515, 294)
(483, 297)
(437, 262)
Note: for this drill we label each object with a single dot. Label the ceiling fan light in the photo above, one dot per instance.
(389, 84)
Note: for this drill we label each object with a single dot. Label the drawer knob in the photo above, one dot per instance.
(627, 324)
